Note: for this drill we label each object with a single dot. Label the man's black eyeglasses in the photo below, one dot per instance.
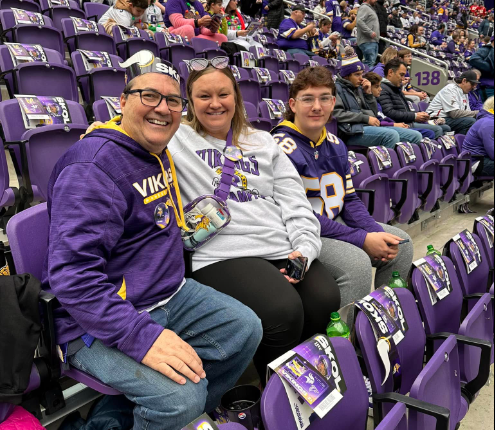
(153, 98)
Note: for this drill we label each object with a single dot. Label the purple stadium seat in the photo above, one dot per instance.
(101, 81)
(173, 52)
(267, 62)
(205, 48)
(448, 168)
(94, 11)
(127, 48)
(58, 12)
(253, 117)
(100, 111)
(251, 91)
(438, 382)
(446, 316)
(403, 186)
(273, 89)
(265, 114)
(485, 242)
(293, 64)
(429, 187)
(28, 238)
(53, 78)
(351, 412)
(20, 4)
(87, 40)
(374, 191)
(422, 106)
(477, 280)
(45, 35)
(9, 196)
(463, 166)
(302, 59)
(41, 147)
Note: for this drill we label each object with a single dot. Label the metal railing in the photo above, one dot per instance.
(414, 10)
(420, 53)
(309, 10)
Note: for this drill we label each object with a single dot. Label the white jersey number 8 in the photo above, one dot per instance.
(332, 193)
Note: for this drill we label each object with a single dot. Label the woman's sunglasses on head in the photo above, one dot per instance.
(198, 64)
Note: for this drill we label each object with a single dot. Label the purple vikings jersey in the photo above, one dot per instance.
(325, 171)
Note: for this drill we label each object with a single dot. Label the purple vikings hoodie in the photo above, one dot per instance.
(109, 254)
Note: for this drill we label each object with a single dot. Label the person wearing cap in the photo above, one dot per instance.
(479, 140)
(293, 37)
(356, 108)
(483, 60)
(394, 19)
(129, 317)
(368, 32)
(188, 19)
(452, 103)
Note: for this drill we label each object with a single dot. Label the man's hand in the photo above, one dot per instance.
(400, 125)
(169, 354)
(373, 35)
(292, 256)
(381, 246)
(375, 122)
(204, 21)
(423, 95)
(422, 117)
(366, 86)
(267, 8)
(310, 27)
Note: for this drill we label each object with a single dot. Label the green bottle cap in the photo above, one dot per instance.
(429, 247)
(334, 316)
(395, 274)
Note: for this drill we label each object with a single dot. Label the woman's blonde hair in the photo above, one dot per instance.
(239, 123)
(488, 105)
(389, 54)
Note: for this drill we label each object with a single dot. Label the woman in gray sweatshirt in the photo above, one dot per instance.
(272, 219)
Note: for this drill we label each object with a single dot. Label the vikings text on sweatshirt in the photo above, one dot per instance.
(114, 246)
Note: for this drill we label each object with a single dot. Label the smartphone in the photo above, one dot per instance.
(403, 241)
(296, 269)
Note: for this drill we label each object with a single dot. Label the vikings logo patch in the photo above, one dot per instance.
(162, 215)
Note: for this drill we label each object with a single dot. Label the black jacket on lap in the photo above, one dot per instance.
(394, 104)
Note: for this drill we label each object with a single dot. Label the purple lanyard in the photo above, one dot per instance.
(228, 172)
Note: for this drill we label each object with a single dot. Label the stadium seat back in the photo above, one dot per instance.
(87, 40)
(485, 242)
(7, 194)
(20, 4)
(475, 281)
(174, 52)
(127, 48)
(251, 91)
(100, 111)
(94, 11)
(57, 13)
(45, 35)
(350, 412)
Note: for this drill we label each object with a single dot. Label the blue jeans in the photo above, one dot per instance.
(225, 335)
(384, 136)
(460, 125)
(370, 52)
(301, 51)
(439, 130)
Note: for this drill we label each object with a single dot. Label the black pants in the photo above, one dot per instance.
(289, 313)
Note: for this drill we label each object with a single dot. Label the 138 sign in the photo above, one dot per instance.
(426, 78)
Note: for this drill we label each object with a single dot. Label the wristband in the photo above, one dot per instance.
(196, 23)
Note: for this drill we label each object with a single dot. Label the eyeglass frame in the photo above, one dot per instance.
(316, 98)
(140, 92)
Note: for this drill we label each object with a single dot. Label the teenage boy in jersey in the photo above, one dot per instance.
(293, 37)
(352, 240)
(130, 318)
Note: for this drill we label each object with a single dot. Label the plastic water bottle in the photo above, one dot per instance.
(337, 327)
(430, 250)
(396, 281)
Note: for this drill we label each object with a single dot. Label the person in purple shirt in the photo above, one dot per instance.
(348, 25)
(437, 37)
(352, 241)
(453, 46)
(335, 14)
(470, 49)
(293, 37)
(479, 140)
(128, 315)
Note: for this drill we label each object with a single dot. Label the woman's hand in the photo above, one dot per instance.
(204, 21)
(292, 256)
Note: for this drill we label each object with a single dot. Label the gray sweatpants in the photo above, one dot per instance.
(351, 266)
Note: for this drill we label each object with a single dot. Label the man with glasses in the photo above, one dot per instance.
(129, 317)
(321, 160)
(452, 103)
(293, 37)
(413, 95)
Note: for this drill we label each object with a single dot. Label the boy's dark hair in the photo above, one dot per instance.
(210, 3)
(374, 78)
(393, 65)
(141, 4)
(323, 22)
(309, 77)
(487, 39)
